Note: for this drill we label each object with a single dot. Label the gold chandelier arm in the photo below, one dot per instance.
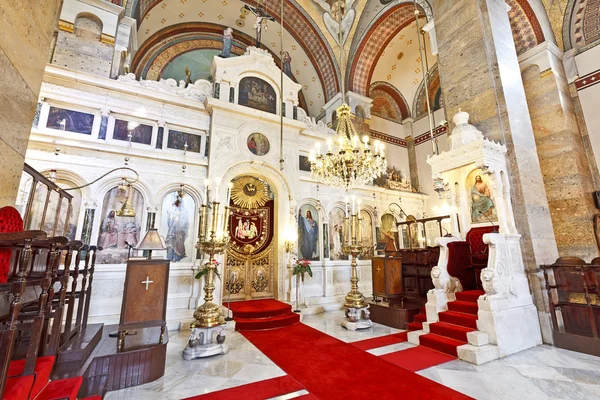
(128, 180)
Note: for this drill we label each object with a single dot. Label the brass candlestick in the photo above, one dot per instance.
(357, 309)
(212, 241)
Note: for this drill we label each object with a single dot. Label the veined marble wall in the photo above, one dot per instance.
(25, 36)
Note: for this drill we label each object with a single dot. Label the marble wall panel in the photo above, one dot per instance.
(83, 54)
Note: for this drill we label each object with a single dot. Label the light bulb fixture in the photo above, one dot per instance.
(52, 176)
(440, 186)
(347, 163)
(181, 192)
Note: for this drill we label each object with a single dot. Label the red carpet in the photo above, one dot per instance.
(258, 315)
(417, 322)
(451, 331)
(381, 341)
(331, 369)
(417, 358)
(255, 391)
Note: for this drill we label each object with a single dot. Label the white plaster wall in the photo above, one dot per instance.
(587, 63)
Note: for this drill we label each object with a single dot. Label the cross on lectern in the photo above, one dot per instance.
(378, 269)
(147, 282)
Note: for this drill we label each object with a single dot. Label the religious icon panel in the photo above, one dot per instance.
(308, 233)
(366, 235)
(118, 233)
(387, 224)
(258, 144)
(336, 234)
(480, 197)
(70, 120)
(258, 94)
(139, 134)
(177, 226)
(178, 140)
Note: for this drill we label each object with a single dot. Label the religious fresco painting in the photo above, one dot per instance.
(258, 94)
(336, 234)
(177, 226)
(308, 233)
(367, 236)
(71, 121)
(304, 164)
(140, 134)
(258, 144)
(480, 198)
(196, 62)
(117, 233)
(177, 140)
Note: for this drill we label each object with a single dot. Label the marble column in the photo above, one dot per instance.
(412, 153)
(25, 37)
(479, 73)
(561, 151)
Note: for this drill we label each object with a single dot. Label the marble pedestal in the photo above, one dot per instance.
(200, 343)
(357, 318)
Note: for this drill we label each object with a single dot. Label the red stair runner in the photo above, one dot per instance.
(451, 331)
(418, 320)
(257, 315)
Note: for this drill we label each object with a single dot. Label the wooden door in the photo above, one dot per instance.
(250, 276)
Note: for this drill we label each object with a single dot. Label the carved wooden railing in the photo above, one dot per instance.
(574, 293)
(36, 325)
(44, 205)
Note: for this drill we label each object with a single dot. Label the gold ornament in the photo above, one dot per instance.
(249, 192)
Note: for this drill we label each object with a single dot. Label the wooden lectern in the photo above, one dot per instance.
(144, 297)
(387, 274)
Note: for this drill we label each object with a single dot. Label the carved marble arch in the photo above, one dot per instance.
(364, 58)
(526, 29)
(580, 27)
(388, 102)
(166, 45)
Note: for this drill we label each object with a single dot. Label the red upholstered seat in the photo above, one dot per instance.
(18, 388)
(479, 250)
(43, 368)
(10, 221)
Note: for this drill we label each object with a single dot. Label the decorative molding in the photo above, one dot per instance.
(199, 90)
(388, 139)
(426, 136)
(66, 26)
(587, 81)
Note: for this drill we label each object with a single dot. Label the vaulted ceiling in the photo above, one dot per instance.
(381, 43)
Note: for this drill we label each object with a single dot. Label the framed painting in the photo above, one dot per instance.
(177, 226)
(482, 205)
(177, 140)
(336, 234)
(70, 120)
(258, 144)
(304, 163)
(308, 233)
(258, 94)
(140, 134)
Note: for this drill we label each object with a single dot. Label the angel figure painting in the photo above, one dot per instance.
(336, 234)
(481, 198)
(176, 222)
(332, 10)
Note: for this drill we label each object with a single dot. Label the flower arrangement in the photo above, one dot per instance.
(302, 267)
(206, 267)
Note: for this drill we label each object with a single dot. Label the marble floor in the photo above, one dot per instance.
(544, 372)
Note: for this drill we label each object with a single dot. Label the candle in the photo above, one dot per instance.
(358, 202)
(329, 144)
(318, 145)
(206, 185)
(354, 141)
(366, 142)
(229, 187)
(353, 205)
(218, 182)
(381, 146)
(347, 202)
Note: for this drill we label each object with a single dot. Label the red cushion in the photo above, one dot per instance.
(10, 221)
(475, 239)
(18, 388)
(62, 388)
(43, 368)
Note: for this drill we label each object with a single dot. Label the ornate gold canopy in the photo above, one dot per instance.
(249, 192)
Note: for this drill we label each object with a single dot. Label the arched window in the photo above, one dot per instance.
(177, 226)
(116, 234)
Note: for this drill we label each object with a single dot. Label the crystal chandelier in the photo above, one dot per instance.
(347, 162)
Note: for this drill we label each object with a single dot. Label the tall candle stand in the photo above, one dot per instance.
(357, 309)
(208, 318)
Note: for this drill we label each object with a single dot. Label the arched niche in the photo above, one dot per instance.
(88, 26)
(116, 234)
